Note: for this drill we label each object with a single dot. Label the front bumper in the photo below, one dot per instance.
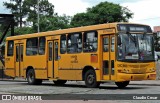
(135, 77)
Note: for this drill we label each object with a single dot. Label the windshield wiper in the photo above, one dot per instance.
(133, 38)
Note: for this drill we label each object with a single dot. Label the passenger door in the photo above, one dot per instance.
(53, 57)
(19, 60)
(108, 57)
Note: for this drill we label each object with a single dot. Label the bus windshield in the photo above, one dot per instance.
(137, 47)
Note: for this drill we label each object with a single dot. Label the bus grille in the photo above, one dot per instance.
(139, 71)
(138, 77)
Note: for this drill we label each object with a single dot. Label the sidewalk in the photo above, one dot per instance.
(158, 70)
(146, 82)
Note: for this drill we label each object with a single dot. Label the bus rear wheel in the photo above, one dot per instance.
(60, 82)
(31, 78)
(122, 84)
(90, 79)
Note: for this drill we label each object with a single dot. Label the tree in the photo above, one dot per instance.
(29, 11)
(23, 30)
(31, 8)
(54, 23)
(105, 12)
(16, 8)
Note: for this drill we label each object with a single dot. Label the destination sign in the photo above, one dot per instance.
(134, 28)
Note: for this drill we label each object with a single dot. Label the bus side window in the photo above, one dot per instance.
(74, 43)
(63, 44)
(32, 46)
(90, 42)
(42, 42)
(79, 43)
(10, 48)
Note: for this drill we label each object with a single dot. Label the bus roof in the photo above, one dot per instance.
(69, 30)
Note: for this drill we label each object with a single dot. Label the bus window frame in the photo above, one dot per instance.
(8, 48)
(61, 44)
(85, 33)
(67, 42)
(37, 46)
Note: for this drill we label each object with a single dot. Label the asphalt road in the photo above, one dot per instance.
(135, 88)
(48, 87)
(74, 89)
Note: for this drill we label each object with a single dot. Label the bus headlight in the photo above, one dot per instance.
(126, 71)
(123, 71)
(152, 70)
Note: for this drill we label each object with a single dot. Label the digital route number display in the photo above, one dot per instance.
(134, 28)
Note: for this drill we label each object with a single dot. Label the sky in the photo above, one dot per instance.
(145, 11)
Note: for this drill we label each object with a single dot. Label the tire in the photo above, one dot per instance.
(60, 82)
(90, 79)
(122, 84)
(31, 78)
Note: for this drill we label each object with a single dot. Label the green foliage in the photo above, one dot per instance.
(105, 12)
(23, 30)
(27, 10)
(54, 23)
(16, 8)
(30, 7)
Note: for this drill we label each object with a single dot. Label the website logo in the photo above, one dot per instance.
(6, 97)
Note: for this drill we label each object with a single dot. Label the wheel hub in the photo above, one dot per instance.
(90, 79)
(31, 77)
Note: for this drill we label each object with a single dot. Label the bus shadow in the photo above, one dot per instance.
(100, 87)
(109, 86)
(65, 85)
(12, 80)
(147, 84)
(116, 88)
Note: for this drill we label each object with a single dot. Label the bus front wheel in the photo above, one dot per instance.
(31, 78)
(90, 79)
(122, 84)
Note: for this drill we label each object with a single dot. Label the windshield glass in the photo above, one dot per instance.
(135, 47)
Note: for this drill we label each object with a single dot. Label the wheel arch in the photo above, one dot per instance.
(28, 68)
(85, 69)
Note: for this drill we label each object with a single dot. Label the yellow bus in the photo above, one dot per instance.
(119, 52)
